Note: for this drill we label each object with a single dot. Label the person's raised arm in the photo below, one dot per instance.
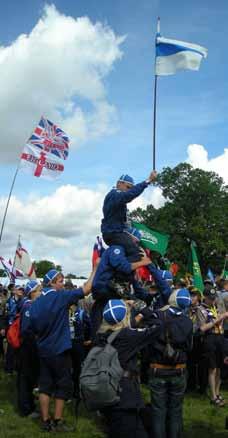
(87, 286)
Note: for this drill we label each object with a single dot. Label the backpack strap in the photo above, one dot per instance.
(113, 336)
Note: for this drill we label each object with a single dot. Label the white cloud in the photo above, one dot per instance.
(57, 70)
(61, 227)
(198, 157)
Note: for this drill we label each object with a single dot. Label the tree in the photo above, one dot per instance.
(196, 208)
(43, 266)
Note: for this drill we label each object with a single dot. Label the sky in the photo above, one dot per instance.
(88, 66)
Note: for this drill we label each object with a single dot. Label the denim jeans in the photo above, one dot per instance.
(167, 394)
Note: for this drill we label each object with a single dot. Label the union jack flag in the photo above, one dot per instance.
(50, 138)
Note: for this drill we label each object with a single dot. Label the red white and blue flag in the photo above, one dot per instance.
(50, 138)
(45, 151)
(11, 271)
(98, 250)
(40, 163)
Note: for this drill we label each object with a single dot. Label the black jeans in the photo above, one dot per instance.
(125, 423)
(123, 239)
(167, 395)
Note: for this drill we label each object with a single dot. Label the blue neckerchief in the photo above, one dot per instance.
(46, 290)
(175, 311)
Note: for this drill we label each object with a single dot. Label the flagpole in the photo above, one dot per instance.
(7, 204)
(154, 122)
(155, 102)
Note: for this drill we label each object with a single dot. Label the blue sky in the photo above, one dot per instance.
(192, 106)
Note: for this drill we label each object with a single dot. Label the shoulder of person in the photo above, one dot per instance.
(116, 250)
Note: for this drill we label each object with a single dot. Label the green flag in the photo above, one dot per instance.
(197, 277)
(152, 239)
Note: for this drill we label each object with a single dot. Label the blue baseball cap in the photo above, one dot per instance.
(134, 232)
(49, 277)
(31, 286)
(114, 311)
(127, 179)
(166, 275)
(180, 298)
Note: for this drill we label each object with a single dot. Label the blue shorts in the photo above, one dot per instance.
(55, 376)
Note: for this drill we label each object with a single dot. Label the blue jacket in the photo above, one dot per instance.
(162, 285)
(115, 208)
(82, 325)
(114, 262)
(25, 326)
(49, 319)
(13, 306)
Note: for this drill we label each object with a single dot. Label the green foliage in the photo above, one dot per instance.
(196, 208)
(2, 273)
(200, 418)
(43, 266)
(14, 426)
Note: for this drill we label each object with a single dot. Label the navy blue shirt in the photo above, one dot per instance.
(49, 319)
(115, 208)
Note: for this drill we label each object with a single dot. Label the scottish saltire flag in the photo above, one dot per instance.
(11, 270)
(174, 55)
(40, 163)
(48, 137)
(98, 250)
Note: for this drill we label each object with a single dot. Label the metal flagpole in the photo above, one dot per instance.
(155, 103)
(7, 204)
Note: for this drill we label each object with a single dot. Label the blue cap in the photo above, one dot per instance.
(134, 232)
(126, 178)
(18, 287)
(49, 277)
(31, 286)
(166, 275)
(180, 298)
(114, 311)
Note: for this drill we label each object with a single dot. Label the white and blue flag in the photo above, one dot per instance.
(174, 55)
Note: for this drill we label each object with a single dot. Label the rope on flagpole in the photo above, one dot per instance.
(8, 201)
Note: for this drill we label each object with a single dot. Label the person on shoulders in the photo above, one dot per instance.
(114, 222)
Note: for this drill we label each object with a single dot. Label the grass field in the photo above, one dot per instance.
(201, 419)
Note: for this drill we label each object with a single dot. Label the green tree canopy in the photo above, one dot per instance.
(196, 208)
(43, 266)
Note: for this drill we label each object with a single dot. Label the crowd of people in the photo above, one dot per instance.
(165, 333)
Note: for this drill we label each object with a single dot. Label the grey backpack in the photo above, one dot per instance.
(100, 376)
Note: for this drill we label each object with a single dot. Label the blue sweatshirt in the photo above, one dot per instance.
(114, 262)
(115, 208)
(49, 319)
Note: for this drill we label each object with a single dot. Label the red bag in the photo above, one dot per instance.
(14, 333)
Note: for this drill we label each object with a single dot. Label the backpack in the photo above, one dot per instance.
(100, 376)
(14, 333)
(170, 354)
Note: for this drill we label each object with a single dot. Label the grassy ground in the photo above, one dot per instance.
(201, 419)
